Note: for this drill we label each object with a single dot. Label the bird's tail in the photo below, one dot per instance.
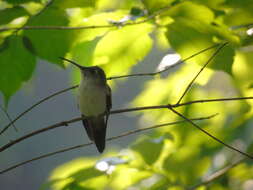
(96, 130)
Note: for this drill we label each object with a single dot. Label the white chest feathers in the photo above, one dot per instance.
(92, 98)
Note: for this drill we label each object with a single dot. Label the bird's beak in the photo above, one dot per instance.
(74, 63)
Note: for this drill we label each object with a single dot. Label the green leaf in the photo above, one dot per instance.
(21, 1)
(149, 149)
(17, 65)
(224, 60)
(72, 4)
(187, 39)
(154, 5)
(4, 45)
(50, 44)
(99, 19)
(78, 173)
(136, 11)
(83, 51)
(190, 11)
(245, 4)
(7, 15)
(28, 44)
(215, 4)
(126, 177)
(119, 50)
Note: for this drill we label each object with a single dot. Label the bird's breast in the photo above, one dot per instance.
(92, 98)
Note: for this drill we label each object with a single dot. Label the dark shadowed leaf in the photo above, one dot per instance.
(7, 15)
(149, 149)
(21, 1)
(154, 5)
(17, 65)
(50, 44)
(28, 44)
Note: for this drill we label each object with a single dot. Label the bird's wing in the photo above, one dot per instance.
(108, 98)
(108, 103)
(87, 126)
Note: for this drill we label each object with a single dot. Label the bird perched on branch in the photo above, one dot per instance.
(94, 102)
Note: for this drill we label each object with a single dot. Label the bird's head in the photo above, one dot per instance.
(91, 73)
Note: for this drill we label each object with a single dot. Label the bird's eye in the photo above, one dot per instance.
(94, 71)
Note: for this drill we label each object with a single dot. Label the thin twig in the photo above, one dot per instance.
(108, 139)
(167, 68)
(65, 123)
(8, 116)
(217, 174)
(213, 100)
(242, 26)
(57, 27)
(34, 105)
(109, 78)
(16, 29)
(210, 135)
(159, 12)
(208, 61)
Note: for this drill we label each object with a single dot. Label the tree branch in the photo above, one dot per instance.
(9, 118)
(65, 123)
(108, 139)
(217, 174)
(35, 105)
(109, 78)
(202, 68)
(167, 68)
(210, 135)
(150, 17)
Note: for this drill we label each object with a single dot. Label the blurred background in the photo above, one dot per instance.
(135, 37)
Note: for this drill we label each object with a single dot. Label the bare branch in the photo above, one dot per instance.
(204, 66)
(167, 68)
(150, 17)
(210, 135)
(242, 26)
(109, 78)
(108, 139)
(8, 116)
(34, 105)
(65, 123)
(213, 100)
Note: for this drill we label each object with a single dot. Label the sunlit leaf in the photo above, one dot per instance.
(79, 173)
(72, 4)
(119, 50)
(126, 177)
(187, 39)
(99, 19)
(215, 4)
(83, 51)
(192, 11)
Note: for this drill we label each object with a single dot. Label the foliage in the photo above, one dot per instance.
(170, 157)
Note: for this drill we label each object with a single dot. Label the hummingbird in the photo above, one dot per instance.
(94, 102)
